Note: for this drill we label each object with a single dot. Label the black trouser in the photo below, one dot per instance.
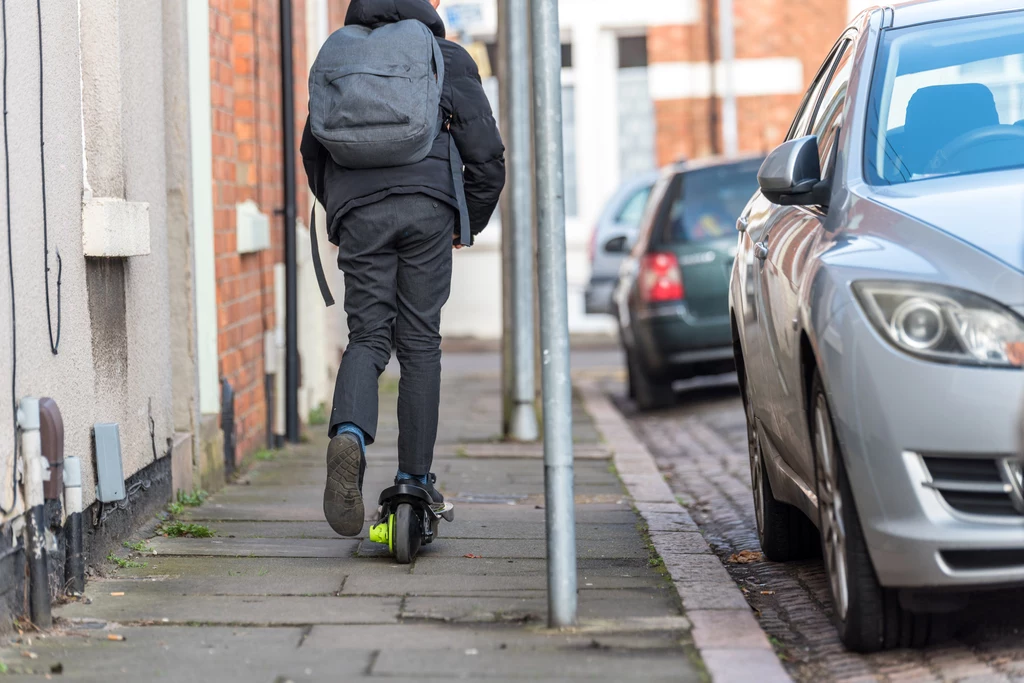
(397, 258)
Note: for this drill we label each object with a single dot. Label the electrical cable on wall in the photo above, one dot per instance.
(54, 342)
(10, 267)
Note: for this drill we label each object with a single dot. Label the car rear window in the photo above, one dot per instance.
(703, 204)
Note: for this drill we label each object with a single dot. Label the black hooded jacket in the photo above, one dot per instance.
(472, 125)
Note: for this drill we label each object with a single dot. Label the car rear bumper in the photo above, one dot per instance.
(925, 445)
(671, 340)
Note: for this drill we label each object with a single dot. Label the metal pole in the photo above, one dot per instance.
(727, 44)
(524, 416)
(291, 316)
(554, 314)
(507, 321)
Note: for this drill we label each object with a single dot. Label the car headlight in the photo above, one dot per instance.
(944, 324)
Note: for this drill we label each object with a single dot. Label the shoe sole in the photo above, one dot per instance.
(343, 502)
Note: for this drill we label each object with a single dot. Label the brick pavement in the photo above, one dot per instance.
(700, 445)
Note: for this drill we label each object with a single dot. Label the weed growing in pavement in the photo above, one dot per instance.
(175, 508)
(265, 455)
(184, 530)
(263, 571)
(193, 499)
(461, 452)
(3, 668)
(317, 416)
(139, 547)
(124, 563)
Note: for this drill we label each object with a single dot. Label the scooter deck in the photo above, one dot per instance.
(445, 511)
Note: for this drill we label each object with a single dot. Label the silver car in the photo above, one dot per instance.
(612, 238)
(877, 305)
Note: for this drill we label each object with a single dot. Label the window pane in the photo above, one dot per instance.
(632, 52)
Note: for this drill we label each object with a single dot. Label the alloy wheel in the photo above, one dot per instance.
(830, 508)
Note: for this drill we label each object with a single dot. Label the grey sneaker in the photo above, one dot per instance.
(343, 498)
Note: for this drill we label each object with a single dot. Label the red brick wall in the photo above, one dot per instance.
(764, 28)
(247, 165)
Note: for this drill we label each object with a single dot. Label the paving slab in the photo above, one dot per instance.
(252, 569)
(625, 545)
(582, 665)
(614, 604)
(147, 603)
(462, 585)
(499, 637)
(459, 566)
(255, 547)
(261, 581)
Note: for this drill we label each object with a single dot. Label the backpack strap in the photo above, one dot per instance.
(465, 235)
(318, 267)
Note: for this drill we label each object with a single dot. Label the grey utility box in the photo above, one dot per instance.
(109, 470)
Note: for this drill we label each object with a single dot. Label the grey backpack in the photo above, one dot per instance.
(375, 102)
(374, 94)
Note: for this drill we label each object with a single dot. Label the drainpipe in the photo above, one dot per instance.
(74, 566)
(36, 471)
(712, 81)
(291, 371)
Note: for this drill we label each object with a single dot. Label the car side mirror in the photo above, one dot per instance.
(617, 245)
(791, 175)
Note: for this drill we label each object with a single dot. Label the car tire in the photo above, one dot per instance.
(784, 531)
(868, 616)
(649, 393)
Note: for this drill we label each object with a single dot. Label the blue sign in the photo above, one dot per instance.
(461, 17)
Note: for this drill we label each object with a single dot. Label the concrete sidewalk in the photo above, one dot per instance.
(276, 596)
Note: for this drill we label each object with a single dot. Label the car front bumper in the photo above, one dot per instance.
(919, 438)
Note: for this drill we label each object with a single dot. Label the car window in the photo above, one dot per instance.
(633, 209)
(650, 212)
(807, 108)
(947, 99)
(703, 204)
(828, 120)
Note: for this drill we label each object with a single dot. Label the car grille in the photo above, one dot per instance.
(975, 486)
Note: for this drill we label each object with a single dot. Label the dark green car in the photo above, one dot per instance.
(672, 297)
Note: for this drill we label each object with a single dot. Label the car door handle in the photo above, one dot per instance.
(761, 251)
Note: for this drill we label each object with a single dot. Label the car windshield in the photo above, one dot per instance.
(704, 204)
(947, 100)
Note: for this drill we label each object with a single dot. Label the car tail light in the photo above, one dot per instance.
(660, 278)
(593, 244)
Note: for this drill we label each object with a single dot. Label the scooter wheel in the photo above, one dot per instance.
(408, 533)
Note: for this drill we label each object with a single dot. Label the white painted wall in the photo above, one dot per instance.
(114, 359)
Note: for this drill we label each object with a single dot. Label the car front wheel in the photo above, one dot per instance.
(868, 616)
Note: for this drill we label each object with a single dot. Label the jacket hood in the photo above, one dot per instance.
(373, 13)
